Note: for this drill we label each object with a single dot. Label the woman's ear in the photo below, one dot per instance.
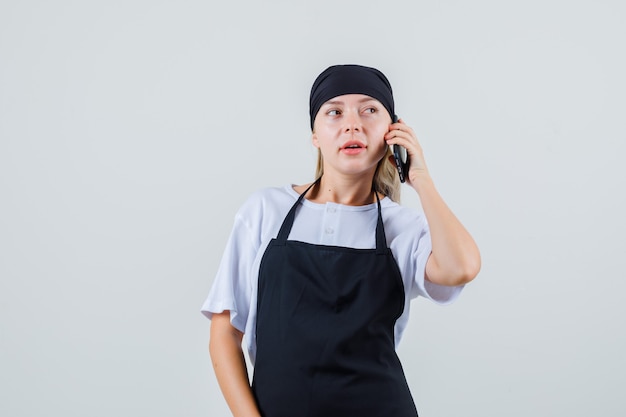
(314, 140)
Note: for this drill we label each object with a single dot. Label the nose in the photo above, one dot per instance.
(352, 122)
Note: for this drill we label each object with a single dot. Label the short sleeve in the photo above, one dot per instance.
(232, 287)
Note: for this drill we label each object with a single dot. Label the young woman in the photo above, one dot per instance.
(319, 276)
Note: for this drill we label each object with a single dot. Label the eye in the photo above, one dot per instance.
(371, 110)
(333, 112)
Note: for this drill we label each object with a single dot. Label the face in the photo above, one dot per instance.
(349, 132)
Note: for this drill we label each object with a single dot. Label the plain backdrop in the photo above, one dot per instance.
(131, 131)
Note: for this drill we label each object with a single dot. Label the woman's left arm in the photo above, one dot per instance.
(455, 258)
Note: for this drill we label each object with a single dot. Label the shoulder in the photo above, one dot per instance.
(266, 206)
(269, 198)
(402, 220)
(397, 212)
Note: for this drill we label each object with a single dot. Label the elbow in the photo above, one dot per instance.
(454, 266)
(469, 268)
(468, 271)
(455, 274)
(467, 276)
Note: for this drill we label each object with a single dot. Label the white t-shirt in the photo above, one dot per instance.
(259, 220)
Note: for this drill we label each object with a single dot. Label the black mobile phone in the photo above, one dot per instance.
(401, 157)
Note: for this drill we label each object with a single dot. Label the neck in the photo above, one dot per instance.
(343, 190)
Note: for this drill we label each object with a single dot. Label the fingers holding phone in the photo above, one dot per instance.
(407, 152)
(400, 157)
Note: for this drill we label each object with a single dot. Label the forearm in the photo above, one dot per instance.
(230, 367)
(455, 257)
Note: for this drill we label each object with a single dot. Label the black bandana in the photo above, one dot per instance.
(350, 79)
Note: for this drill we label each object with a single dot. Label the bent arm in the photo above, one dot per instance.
(230, 366)
(455, 258)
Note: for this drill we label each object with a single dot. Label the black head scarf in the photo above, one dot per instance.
(350, 79)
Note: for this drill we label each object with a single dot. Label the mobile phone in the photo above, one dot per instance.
(401, 157)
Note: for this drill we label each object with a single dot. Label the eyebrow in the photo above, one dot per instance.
(337, 102)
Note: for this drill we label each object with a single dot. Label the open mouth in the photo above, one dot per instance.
(353, 148)
(353, 145)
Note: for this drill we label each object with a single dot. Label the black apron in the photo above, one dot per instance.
(325, 330)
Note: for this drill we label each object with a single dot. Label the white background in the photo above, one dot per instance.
(131, 131)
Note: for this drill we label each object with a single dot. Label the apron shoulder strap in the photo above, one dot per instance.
(285, 228)
(381, 240)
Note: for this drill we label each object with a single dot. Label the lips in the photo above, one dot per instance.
(353, 147)
(353, 144)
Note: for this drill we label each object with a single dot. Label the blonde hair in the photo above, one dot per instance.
(386, 179)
